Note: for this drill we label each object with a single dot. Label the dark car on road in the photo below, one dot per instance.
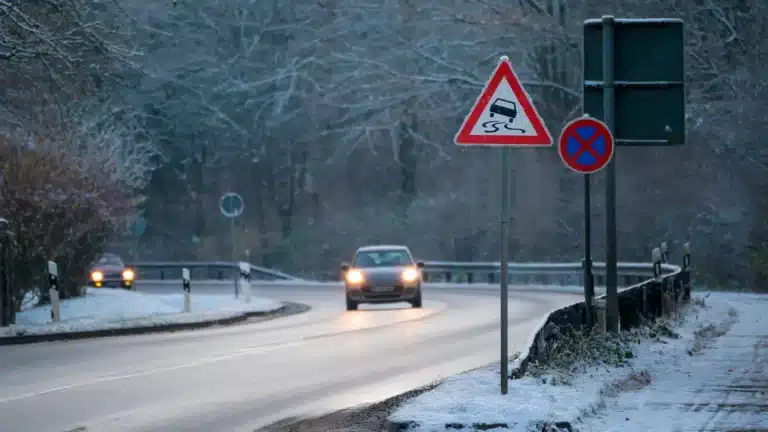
(110, 271)
(382, 274)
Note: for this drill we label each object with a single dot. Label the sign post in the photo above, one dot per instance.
(586, 146)
(644, 66)
(231, 206)
(503, 116)
(139, 227)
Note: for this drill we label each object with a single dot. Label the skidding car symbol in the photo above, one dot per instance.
(505, 108)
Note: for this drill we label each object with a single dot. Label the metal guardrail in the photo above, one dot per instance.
(202, 270)
(629, 273)
(434, 271)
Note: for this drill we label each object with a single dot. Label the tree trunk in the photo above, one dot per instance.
(407, 158)
(200, 192)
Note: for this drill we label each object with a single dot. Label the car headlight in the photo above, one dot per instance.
(355, 276)
(128, 274)
(97, 276)
(410, 275)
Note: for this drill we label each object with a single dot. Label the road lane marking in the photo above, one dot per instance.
(259, 349)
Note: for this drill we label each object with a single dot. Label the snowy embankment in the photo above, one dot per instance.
(109, 309)
(674, 375)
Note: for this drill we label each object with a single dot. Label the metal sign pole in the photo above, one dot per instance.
(232, 236)
(504, 270)
(588, 286)
(611, 278)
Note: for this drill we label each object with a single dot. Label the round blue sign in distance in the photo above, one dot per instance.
(586, 145)
(231, 205)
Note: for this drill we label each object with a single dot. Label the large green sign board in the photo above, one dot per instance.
(648, 80)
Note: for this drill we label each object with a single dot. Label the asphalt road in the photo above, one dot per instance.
(250, 375)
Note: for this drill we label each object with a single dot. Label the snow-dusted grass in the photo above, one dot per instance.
(600, 384)
(115, 308)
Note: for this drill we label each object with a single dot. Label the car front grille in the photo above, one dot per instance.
(368, 292)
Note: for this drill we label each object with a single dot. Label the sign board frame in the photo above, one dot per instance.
(648, 82)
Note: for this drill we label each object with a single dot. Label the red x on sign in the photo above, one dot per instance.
(586, 145)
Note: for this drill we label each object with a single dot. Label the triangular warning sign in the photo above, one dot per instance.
(503, 115)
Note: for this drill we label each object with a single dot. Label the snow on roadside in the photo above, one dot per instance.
(716, 381)
(103, 309)
(581, 396)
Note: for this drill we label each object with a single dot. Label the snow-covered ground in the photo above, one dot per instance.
(116, 308)
(708, 373)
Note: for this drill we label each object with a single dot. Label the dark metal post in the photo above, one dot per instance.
(611, 277)
(686, 273)
(588, 285)
(658, 281)
(5, 297)
(232, 238)
(504, 277)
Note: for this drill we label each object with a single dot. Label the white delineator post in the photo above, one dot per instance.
(186, 288)
(53, 291)
(245, 280)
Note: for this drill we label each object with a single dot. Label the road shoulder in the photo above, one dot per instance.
(704, 371)
(143, 326)
(366, 418)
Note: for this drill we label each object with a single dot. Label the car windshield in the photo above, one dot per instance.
(504, 103)
(382, 258)
(110, 261)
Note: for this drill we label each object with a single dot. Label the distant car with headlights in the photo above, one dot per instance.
(111, 271)
(382, 274)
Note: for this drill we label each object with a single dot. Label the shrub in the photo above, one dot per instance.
(57, 211)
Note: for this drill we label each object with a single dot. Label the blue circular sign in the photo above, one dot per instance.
(231, 205)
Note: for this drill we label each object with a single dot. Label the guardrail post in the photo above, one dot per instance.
(185, 285)
(600, 307)
(672, 284)
(667, 303)
(53, 290)
(685, 274)
(656, 285)
(244, 280)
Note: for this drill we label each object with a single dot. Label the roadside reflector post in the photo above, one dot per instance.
(686, 273)
(186, 287)
(245, 280)
(53, 291)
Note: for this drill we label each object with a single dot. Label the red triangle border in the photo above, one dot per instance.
(504, 71)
